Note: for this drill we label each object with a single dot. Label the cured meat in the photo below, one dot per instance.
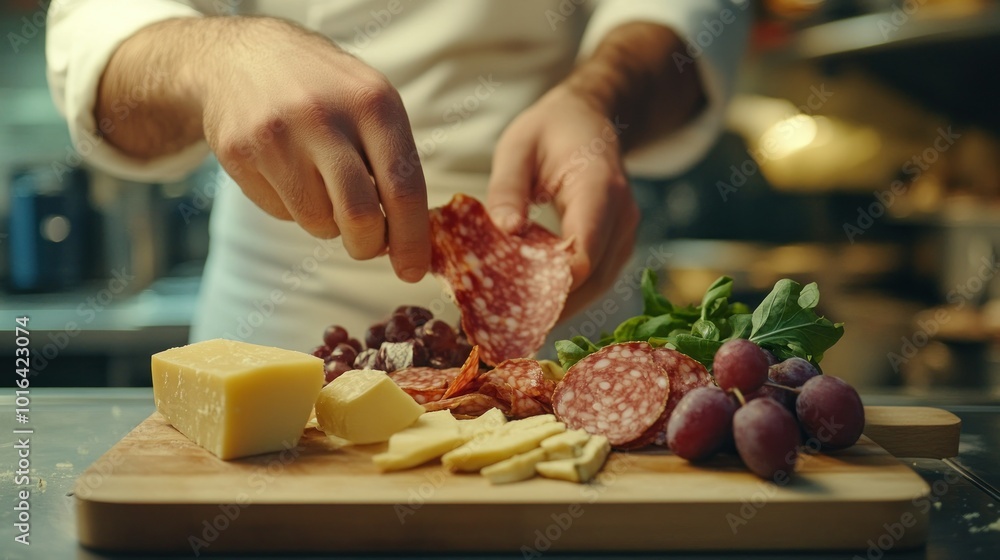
(686, 374)
(424, 384)
(510, 289)
(468, 373)
(527, 377)
(620, 392)
(472, 404)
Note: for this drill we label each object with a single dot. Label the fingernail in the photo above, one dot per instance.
(412, 274)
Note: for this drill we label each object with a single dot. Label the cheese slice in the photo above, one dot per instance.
(365, 406)
(234, 398)
(515, 469)
(505, 442)
(483, 424)
(579, 469)
(566, 445)
(432, 435)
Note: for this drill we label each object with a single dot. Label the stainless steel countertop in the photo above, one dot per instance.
(73, 427)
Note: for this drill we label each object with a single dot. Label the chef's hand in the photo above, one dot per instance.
(567, 148)
(309, 132)
(565, 151)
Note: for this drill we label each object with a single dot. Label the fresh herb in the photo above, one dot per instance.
(785, 323)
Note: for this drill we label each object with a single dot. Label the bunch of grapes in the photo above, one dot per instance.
(411, 336)
(762, 407)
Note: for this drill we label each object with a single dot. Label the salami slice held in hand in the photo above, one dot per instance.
(510, 289)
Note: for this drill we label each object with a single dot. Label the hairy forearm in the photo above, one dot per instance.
(632, 77)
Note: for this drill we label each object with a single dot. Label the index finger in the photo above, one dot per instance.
(399, 179)
(587, 220)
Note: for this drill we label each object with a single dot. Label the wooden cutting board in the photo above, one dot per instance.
(157, 491)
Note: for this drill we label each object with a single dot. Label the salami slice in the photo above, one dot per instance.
(472, 404)
(424, 384)
(467, 374)
(620, 392)
(686, 374)
(527, 377)
(510, 289)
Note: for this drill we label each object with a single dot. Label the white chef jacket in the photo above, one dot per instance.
(464, 69)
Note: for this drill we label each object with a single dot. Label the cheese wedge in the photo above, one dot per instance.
(236, 399)
(505, 442)
(365, 406)
(432, 435)
(566, 445)
(582, 468)
(515, 469)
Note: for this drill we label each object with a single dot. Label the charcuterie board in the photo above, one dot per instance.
(157, 491)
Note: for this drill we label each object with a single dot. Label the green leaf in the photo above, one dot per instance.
(573, 350)
(626, 331)
(785, 320)
(698, 348)
(741, 324)
(716, 298)
(706, 329)
(660, 326)
(652, 300)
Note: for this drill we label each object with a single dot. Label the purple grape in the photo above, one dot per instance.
(830, 411)
(782, 396)
(416, 314)
(334, 369)
(334, 335)
(344, 353)
(321, 351)
(355, 343)
(375, 336)
(438, 336)
(793, 372)
(701, 423)
(767, 437)
(771, 358)
(740, 364)
(399, 328)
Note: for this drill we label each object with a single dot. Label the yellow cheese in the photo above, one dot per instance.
(526, 423)
(505, 442)
(236, 399)
(552, 370)
(566, 445)
(365, 406)
(485, 423)
(432, 435)
(515, 469)
(582, 468)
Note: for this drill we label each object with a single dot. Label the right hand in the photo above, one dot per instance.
(312, 134)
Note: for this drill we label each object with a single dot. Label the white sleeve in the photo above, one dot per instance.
(715, 32)
(80, 39)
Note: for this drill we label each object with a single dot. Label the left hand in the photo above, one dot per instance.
(565, 150)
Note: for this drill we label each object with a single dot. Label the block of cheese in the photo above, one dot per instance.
(365, 406)
(234, 398)
(566, 445)
(514, 469)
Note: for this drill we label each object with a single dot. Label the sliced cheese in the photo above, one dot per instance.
(579, 469)
(485, 423)
(566, 445)
(432, 435)
(365, 406)
(527, 423)
(505, 442)
(234, 398)
(515, 469)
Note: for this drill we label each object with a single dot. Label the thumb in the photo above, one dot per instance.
(509, 191)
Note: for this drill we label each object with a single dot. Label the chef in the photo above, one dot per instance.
(337, 123)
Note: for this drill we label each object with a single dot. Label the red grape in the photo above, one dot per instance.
(771, 358)
(355, 343)
(334, 369)
(438, 336)
(830, 410)
(767, 437)
(793, 372)
(321, 351)
(334, 335)
(344, 353)
(399, 328)
(701, 423)
(416, 314)
(783, 397)
(740, 364)
(375, 336)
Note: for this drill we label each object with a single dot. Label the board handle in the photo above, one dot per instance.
(914, 431)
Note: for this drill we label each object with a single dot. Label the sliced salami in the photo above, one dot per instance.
(510, 289)
(424, 384)
(527, 377)
(466, 376)
(686, 374)
(620, 392)
(472, 404)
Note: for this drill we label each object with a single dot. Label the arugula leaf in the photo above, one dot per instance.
(706, 329)
(660, 326)
(785, 322)
(740, 323)
(701, 349)
(652, 300)
(716, 298)
(626, 332)
(573, 350)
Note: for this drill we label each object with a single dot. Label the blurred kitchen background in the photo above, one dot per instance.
(862, 152)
